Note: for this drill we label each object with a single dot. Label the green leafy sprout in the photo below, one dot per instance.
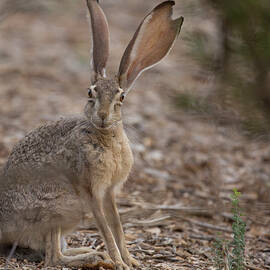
(231, 254)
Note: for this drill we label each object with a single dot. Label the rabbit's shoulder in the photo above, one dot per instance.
(41, 144)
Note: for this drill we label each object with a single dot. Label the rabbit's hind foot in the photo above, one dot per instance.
(73, 257)
(78, 251)
(92, 260)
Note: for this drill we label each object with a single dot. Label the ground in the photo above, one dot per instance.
(178, 196)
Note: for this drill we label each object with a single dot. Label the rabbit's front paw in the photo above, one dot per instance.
(133, 262)
(129, 260)
(104, 256)
(121, 266)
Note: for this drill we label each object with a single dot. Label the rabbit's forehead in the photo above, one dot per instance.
(107, 87)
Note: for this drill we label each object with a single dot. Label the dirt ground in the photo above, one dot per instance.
(178, 196)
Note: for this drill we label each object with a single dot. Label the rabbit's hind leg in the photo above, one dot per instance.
(54, 255)
(77, 251)
(84, 250)
(73, 251)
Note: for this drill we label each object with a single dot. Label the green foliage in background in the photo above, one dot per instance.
(191, 103)
(236, 259)
(239, 58)
(231, 254)
(246, 39)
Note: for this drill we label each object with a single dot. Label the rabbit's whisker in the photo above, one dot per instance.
(114, 124)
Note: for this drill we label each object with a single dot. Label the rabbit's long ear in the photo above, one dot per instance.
(100, 32)
(151, 42)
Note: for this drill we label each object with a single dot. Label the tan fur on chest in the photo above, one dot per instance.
(114, 163)
(122, 159)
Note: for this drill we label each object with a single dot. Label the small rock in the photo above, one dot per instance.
(155, 155)
(140, 148)
(157, 173)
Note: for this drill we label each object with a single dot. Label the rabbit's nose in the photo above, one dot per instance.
(103, 116)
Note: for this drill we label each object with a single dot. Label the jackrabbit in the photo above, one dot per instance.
(64, 170)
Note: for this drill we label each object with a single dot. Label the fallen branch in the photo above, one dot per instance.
(202, 237)
(205, 225)
(150, 222)
(252, 267)
(173, 208)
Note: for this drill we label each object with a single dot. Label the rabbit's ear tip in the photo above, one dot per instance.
(172, 3)
(180, 20)
(88, 1)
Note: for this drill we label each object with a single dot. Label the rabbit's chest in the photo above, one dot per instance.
(122, 161)
(114, 163)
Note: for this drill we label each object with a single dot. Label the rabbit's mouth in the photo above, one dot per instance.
(104, 126)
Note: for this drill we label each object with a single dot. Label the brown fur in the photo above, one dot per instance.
(64, 170)
(95, 161)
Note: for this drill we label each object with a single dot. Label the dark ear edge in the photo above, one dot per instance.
(148, 45)
(100, 33)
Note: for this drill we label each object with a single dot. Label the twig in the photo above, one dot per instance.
(252, 267)
(100, 246)
(151, 222)
(202, 237)
(163, 258)
(148, 252)
(206, 225)
(11, 253)
(176, 207)
(210, 226)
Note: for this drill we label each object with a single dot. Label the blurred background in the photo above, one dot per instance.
(198, 122)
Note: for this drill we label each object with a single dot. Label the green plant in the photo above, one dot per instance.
(231, 254)
(219, 252)
(192, 103)
(237, 55)
(236, 259)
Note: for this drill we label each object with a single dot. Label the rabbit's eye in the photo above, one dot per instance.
(122, 97)
(91, 90)
(90, 94)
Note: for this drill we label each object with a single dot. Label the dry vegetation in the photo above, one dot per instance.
(177, 197)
